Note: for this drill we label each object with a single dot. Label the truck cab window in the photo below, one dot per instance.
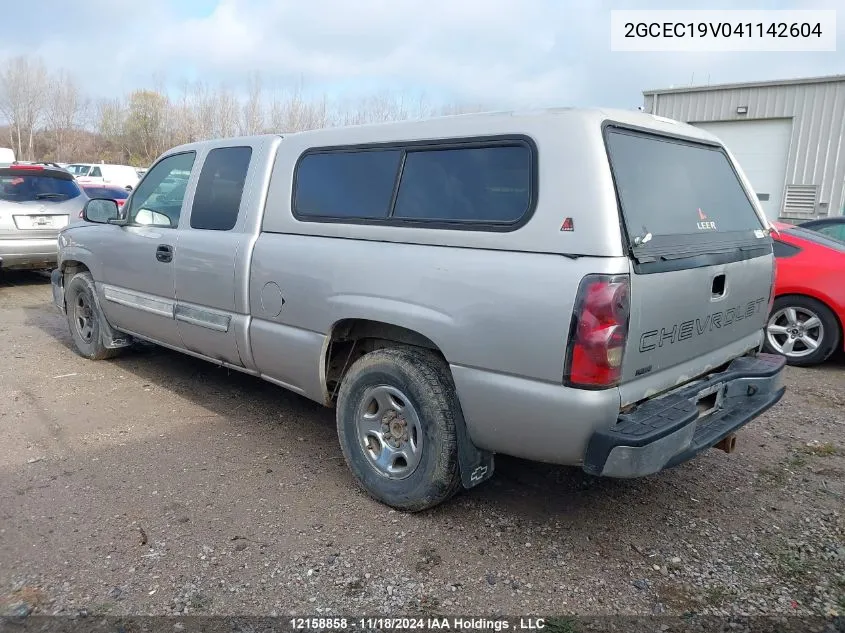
(158, 199)
(220, 187)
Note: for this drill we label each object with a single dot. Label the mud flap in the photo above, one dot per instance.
(110, 338)
(476, 465)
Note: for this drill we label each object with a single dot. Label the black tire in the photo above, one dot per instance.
(83, 318)
(827, 335)
(423, 379)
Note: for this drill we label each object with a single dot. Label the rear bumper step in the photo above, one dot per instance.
(667, 431)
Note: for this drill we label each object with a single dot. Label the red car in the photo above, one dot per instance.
(807, 318)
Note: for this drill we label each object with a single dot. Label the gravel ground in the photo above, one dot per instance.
(160, 484)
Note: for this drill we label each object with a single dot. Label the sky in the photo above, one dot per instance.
(499, 53)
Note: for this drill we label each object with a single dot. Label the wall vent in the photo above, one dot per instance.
(800, 201)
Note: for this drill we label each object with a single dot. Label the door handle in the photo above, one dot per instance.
(164, 253)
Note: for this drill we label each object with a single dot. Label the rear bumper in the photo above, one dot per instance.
(28, 253)
(670, 430)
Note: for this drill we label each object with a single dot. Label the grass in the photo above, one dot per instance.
(718, 595)
(776, 476)
(826, 449)
(791, 565)
(797, 461)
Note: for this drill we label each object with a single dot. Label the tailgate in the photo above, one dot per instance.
(701, 261)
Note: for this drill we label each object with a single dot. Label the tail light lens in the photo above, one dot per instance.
(599, 332)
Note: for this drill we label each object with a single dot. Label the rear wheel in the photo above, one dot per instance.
(802, 329)
(83, 318)
(396, 420)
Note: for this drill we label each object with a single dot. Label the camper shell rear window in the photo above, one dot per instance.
(677, 192)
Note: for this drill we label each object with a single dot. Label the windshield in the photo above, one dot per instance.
(673, 187)
(25, 188)
(79, 170)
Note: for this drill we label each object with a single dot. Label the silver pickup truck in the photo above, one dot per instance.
(582, 287)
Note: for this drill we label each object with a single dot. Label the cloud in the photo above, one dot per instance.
(502, 53)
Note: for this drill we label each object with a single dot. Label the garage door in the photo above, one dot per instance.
(762, 148)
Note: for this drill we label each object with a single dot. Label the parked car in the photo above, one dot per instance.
(37, 162)
(832, 227)
(104, 174)
(118, 194)
(455, 288)
(35, 202)
(7, 156)
(806, 320)
(79, 169)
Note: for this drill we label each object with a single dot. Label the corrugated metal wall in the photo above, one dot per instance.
(817, 149)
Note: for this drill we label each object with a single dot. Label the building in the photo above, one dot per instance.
(788, 136)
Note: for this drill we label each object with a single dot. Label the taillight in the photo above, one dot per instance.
(599, 332)
(120, 201)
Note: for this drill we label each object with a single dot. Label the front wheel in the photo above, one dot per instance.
(83, 318)
(802, 329)
(397, 413)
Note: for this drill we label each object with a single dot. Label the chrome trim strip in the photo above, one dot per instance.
(202, 317)
(139, 301)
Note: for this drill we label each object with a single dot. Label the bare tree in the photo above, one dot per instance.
(253, 110)
(183, 118)
(35, 101)
(293, 113)
(63, 110)
(204, 106)
(111, 121)
(227, 109)
(56, 120)
(23, 84)
(146, 124)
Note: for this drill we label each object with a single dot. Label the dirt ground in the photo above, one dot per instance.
(155, 483)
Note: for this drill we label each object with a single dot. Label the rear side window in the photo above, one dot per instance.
(346, 184)
(782, 249)
(486, 184)
(836, 231)
(25, 188)
(448, 184)
(96, 172)
(669, 187)
(220, 189)
(817, 238)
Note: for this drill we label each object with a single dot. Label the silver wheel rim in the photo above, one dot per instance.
(795, 332)
(83, 317)
(389, 432)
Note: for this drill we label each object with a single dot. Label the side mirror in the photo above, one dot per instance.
(100, 211)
